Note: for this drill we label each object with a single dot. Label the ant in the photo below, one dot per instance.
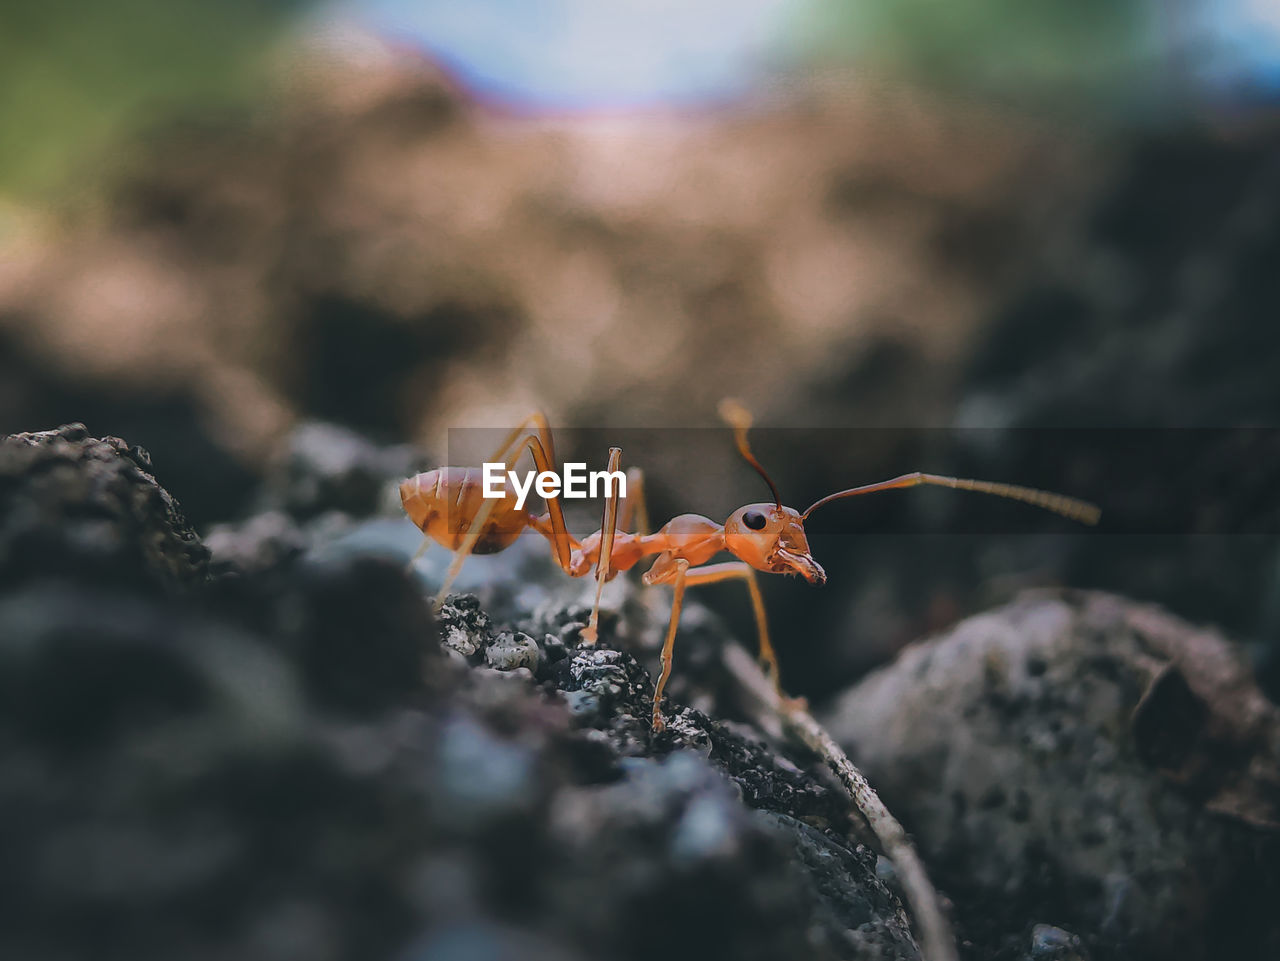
(448, 506)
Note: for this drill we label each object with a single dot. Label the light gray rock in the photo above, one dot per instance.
(509, 651)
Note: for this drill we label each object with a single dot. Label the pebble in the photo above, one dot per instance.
(509, 651)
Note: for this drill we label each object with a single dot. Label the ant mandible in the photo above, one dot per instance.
(448, 506)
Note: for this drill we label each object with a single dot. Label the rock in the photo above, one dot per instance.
(1054, 944)
(464, 628)
(359, 632)
(297, 745)
(1082, 760)
(263, 542)
(735, 883)
(322, 482)
(203, 765)
(85, 669)
(604, 673)
(510, 651)
(326, 467)
(75, 505)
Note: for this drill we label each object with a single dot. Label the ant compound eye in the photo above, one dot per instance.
(754, 519)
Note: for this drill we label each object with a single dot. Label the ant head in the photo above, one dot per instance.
(771, 538)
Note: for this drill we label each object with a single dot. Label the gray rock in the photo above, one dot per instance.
(679, 819)
(464, 628)
(325, 467)
(600, 671)
(1054, 944)
(509, 651)
(1083, 759)
(264, 541)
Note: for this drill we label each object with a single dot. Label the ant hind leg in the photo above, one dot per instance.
(634, 505)
(417, 555)
(534, 433)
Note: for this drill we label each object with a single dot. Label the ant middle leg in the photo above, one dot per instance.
(677, 572)
(676, 576)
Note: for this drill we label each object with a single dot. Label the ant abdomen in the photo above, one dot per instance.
(444, 502)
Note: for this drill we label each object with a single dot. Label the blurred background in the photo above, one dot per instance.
(218, 221)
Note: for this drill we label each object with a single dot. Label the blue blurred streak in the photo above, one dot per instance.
(590, 53)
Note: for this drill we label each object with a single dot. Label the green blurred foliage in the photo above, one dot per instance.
(76, 75)
(1086, 51)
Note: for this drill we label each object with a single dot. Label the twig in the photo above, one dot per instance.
(936, 939)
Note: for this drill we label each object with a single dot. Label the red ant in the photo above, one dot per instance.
(448, 506)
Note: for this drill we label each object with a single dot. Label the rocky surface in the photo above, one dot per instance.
(293, 760)
(282, 754)
(1080, 760)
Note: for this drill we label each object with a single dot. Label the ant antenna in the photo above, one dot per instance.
(1069, 507)
(739, 418)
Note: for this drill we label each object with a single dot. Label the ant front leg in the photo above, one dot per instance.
(677, 572)
(739, 570)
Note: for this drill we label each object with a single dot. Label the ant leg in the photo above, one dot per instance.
(633, 505)
(743, 571)
(677, 601)
(475, 529)
(541, 446)
(535, 432)
(417, 555)
(608, 527)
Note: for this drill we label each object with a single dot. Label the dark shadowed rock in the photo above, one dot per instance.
(71, 504)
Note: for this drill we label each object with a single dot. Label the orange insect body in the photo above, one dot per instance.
(437, 500)
(449, 507)
(695, 538)
(445, 503)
